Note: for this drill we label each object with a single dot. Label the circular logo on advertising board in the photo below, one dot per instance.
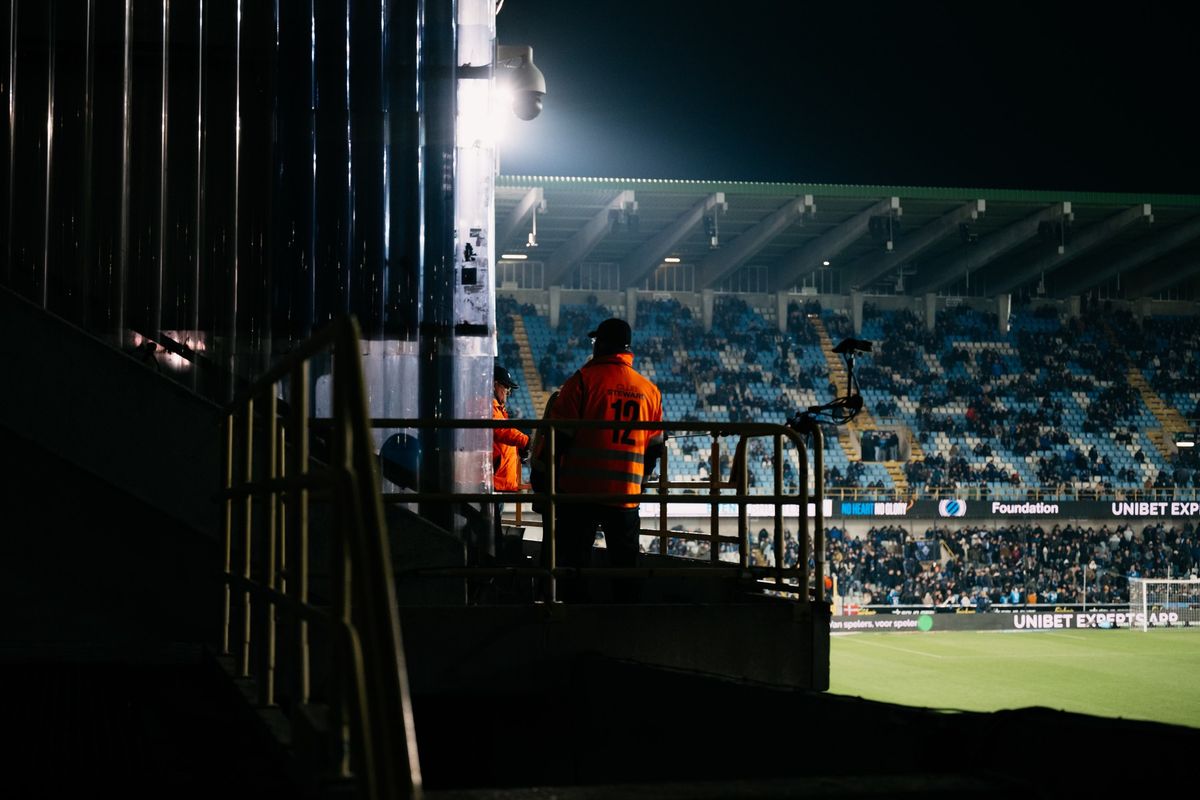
(925, 622)
(952, 508)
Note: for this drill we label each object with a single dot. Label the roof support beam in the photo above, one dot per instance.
(871, 267)
(828, 245)
(643, 261)
(724, 261)
(576, 249)
(1162, 245)
(989, 248)
(1089, 239)
(533, 199)
(1158, 278)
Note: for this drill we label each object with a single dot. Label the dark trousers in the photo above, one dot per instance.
(575, 535)
(497, 530)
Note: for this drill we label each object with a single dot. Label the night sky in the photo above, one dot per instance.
(1051, 95)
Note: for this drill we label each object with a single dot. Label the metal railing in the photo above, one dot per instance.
(352, 629)
(663, 491)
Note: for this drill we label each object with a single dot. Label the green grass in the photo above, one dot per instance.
(1109, 673)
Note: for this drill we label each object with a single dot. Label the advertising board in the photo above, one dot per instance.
(1005, 621)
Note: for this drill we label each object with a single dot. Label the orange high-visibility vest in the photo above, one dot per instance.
(608, 461)
(506, 463)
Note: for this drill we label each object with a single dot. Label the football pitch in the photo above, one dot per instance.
(1109, 673)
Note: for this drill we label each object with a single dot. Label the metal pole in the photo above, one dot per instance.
(228, 527)
(235, 245)
(49, 157)
(299, 516)
(156, 298)
(662, 501)
(247, 532)
(198, 233)
(548, 526)
(340, 573)
(267, 696)
(126, 166)
(743, 487)
(714, 510)
(778, 542)
(281, 547)
(12, 132)
(819, 511)
(86, 202)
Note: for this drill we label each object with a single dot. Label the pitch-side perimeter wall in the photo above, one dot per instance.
(1059, 618)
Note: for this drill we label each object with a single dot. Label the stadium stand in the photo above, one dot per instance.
(1050, 409)
(743, 369)
(1053, 408)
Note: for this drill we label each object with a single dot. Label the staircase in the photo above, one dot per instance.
(896, 471)
(1169, 419)
(533, 378)
(915, 451)
(848, 435)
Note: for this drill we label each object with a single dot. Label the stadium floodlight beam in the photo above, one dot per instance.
(518, 75)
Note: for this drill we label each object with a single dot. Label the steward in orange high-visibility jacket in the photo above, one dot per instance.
(607, 461)
(509, 448)
(611, 461)
(509, 445)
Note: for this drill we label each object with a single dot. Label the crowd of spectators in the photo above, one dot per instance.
(977, 567)
(1007, 393)
(797, 321)
(1010, 395)
(506, 309)
(762, 349)
(955, 470)
(1015, 564)
(564, 354)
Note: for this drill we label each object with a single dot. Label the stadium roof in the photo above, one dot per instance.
(890, 239)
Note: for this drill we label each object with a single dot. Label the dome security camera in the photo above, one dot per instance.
(516, 72)
(527, 105)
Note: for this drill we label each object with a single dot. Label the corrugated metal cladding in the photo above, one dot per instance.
(244, 171)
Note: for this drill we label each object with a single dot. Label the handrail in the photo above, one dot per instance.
(267, 484)
(660, 492)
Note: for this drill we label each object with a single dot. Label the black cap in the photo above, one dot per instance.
(503, 377)
(613, 332)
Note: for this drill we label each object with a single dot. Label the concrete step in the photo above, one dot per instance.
(896, 471)
(135, 728)
(533, 379)
(1169, 419)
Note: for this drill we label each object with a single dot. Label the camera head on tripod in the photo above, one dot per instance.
(840, 410)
